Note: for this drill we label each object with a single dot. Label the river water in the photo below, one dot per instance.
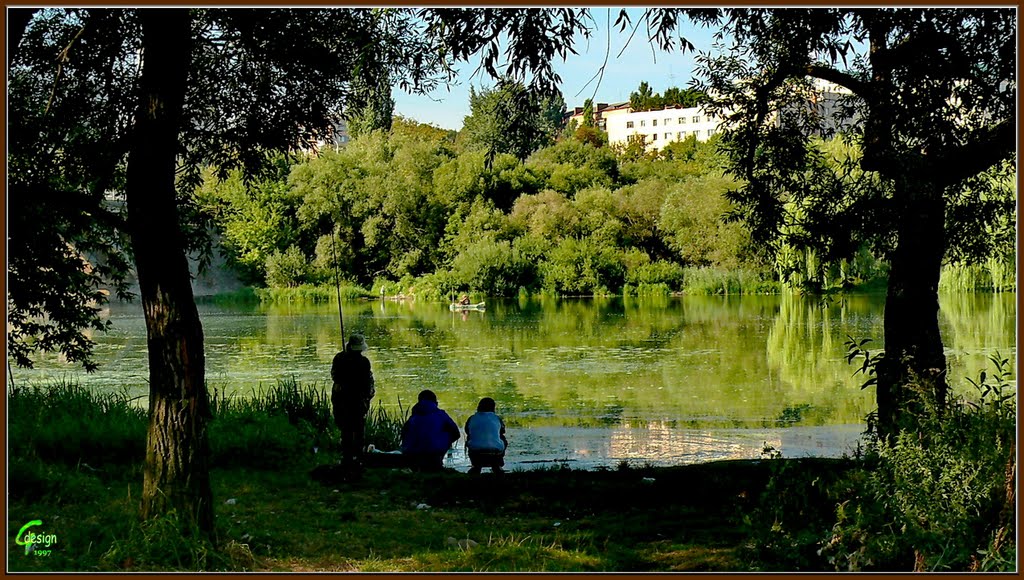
(588, 382)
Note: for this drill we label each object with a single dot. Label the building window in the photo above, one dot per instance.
(696, 119)
(654, 123)
(629, 124)
(682, 120)
(668, 136)
(711, 132)
(667, 121)
(679, 136)
(642, 122)
(654, 137)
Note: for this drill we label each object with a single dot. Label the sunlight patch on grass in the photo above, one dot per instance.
(691, 558)
(514, 553)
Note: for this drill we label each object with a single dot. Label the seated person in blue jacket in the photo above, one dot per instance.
(485, 438)
(428, 434)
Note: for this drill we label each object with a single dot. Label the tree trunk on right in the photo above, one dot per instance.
(912, 373)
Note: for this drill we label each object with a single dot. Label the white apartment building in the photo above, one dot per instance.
(664, 126)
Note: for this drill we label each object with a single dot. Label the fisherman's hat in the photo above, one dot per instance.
(356, 342)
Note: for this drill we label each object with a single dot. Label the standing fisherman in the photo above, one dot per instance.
(350, 397)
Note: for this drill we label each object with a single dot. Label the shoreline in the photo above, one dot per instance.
(594, 449)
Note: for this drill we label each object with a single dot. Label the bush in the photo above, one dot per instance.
(787, 522)
(660, 274)
(287, 269)
(496, 268)
(435, 287)
(581, 267)
(939, 497)
(645, 290)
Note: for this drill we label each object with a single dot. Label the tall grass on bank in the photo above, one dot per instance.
(711, 281)
(285, 421)
(276, 426)
(69, 447)
(994, 275)
(644, 290)
(66, 423)
(308, 293)
(384, 428)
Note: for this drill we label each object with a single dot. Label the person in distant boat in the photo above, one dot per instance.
(485, 438)
(428, 434)
(464, 300)
(350, 397)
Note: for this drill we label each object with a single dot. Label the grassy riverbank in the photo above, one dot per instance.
(75, 465)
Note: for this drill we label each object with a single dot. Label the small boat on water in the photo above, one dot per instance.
(455, 306)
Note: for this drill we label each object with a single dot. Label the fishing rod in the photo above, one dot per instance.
(337, 283)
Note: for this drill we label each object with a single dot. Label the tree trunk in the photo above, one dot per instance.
(913, 371)
(177, 449)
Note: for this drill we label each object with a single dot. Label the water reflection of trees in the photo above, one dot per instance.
(694, 362)
(974, 327)
(805, 349)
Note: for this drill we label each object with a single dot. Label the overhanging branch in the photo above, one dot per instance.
(848, 81)
(992, 145)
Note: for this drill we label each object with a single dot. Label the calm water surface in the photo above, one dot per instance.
(585, 382)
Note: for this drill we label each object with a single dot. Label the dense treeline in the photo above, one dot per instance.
(425, 212)
(644, 99)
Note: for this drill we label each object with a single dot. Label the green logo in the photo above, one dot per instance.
(32, 540)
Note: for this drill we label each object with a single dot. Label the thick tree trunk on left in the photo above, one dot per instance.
(177, 449)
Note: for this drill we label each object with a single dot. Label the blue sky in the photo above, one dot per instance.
(446, 108)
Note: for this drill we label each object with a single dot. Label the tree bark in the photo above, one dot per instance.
(912, 373)
(177, 448)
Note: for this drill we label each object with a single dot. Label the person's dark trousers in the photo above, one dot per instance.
(353, 431)
(493, 459)
(425, 461)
